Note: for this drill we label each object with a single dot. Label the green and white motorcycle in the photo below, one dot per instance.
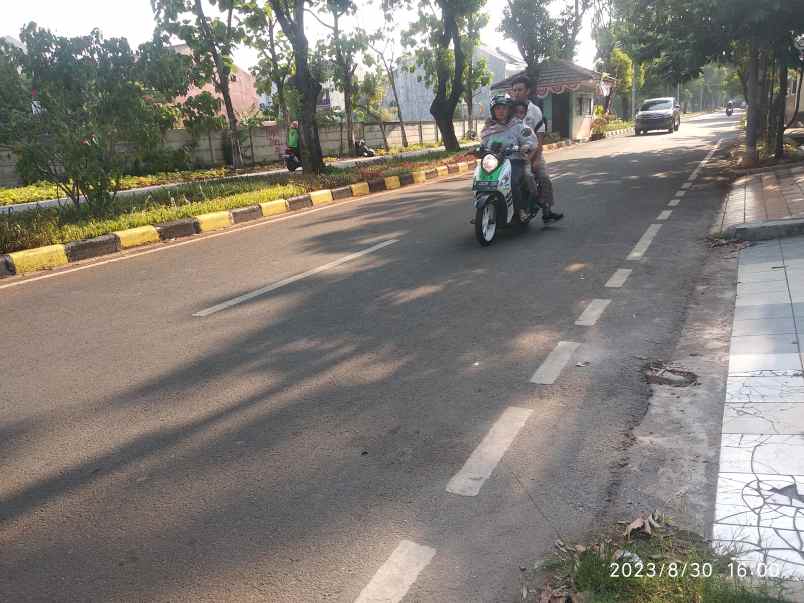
(494, 200)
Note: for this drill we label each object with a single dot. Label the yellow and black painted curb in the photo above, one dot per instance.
(54, 256)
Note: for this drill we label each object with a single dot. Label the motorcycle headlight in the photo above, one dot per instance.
(489, 163)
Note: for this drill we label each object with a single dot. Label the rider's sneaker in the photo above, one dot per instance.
(524, 216)
(551, 217)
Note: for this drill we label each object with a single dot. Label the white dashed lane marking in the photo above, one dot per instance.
(593, 312)
(555, 362)
(481, 464)
(674, 202)
(644, 243)
(665, 215)
(393, 580)
(618, 279)
(290, 280)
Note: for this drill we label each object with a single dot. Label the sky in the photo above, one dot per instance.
(133, 19)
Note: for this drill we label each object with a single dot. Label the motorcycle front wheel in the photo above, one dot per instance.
(486, 224)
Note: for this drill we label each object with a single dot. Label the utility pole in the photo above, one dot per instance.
(634, 79)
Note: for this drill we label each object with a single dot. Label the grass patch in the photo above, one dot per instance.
(597, 572)
(40, 227)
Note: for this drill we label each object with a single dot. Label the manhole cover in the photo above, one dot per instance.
(659, 373)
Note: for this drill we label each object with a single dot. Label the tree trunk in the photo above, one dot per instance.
(303, 80)
(311, 155)
(764, 89)
(634, 82)
(781, 106)
(223, 85)
(752, 123)
(443, 106)
(279, 82)
(283, 104)
(382, 131)
(347, 75)
(392, 80)
(347, 107)
(469, 110)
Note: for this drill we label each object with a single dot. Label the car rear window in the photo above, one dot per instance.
(653, 105)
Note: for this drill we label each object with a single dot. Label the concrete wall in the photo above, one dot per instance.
(266, 144)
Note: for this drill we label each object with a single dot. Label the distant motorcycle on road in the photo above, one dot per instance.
(730, 109)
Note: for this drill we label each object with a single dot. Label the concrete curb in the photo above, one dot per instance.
(90, 248)
(53, 256)
(767, 230)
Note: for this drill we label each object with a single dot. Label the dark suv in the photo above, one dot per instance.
(658, 114)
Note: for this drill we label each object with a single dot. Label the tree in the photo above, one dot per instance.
(290, 14)
(211, 42)
(540, 36)
(383, 44)
(343, 49)
(275, 63)
(370, 94)
(68, 103)
(684, 35)
(439, 52)
(535, 32)
(476, 72)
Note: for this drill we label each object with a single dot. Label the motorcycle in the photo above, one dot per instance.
(292, 159)
(729, 111)
(363, 150)
(494, 200)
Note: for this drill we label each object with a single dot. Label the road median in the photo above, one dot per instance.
(54, 256)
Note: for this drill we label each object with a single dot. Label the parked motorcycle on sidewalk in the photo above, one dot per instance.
(494, 199)
(292, 159)
(363, 150)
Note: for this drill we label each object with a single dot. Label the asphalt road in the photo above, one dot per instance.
(282, 448)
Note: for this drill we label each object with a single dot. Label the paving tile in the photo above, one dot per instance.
(763, 326)
(798, 310)
(753, 255)
(767, 514)
(763, 299)
(767, 276)
(765, 389)
(760, 365)
(764, 344)
(774, 454)
(760, 266)
(784, 310)
(777, 551)
(762, 287)
(764, 418)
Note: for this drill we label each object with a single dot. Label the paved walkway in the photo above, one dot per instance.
(775, 194)
(760, 494)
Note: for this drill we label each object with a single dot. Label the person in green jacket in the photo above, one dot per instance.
(293, 137)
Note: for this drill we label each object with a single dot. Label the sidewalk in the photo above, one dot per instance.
(759, 512)
(773, 194)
